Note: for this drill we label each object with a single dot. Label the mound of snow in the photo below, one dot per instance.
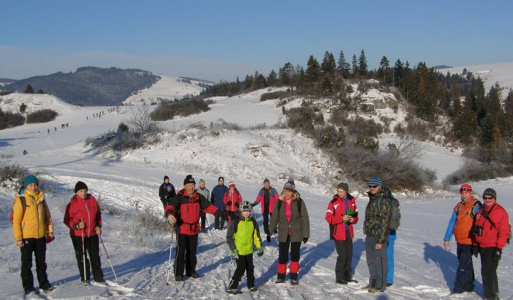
(34, 102)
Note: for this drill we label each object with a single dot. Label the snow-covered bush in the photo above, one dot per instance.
(11, 175)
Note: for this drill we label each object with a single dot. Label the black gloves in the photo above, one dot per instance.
(229, 203)
(305, 240)
(254, 204)
(496, 254)
(475, 250)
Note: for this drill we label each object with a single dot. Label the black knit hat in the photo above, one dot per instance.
(490, 192)
(165, 177)
(343, 186)
(189, 179)
(80, 186)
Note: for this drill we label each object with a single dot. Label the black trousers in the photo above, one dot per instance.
(203, 217)
(266, 216)
(38, 247)
(219, 221)
(283, 256)
(345, 255)
(186, 254)
(489, 273)
(92, 249)
(245, 264)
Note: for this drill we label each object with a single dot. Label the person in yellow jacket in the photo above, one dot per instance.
(242, 234)
(32, 229)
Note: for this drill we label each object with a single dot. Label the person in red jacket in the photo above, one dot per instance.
(491, 230)
(341, 215)
(268, 197)
(185, 210)
(84, 219)
(232, 200)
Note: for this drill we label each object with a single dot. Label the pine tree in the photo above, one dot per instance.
(272, 78)
(398, 73)
(383, 68)
(355, 66)
(23, 108)
(313, 71)
(29, 89)
(362, 64)
(343, 66)
(465, 122)
(286, 73)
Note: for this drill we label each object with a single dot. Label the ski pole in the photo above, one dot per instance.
(108, 258)
(170, 251)
(84, 255)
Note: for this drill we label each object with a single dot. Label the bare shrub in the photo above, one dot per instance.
(168, 110)
(42, 116)
(12, 175)
(418, 129)
(141, 120)
(274, 95)
(475, 171)
(145, 226)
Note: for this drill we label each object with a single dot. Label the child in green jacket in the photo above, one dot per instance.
(242, 234)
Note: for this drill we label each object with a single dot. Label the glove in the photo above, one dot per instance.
(254, 204)
(229, 203)
(235, 254)
(260, 251)
(50, 238)
(496, 254)
(475, 250)
(305, 240)
(171, 219)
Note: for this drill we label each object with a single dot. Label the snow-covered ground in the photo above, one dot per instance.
(245, 155)
(167, 88)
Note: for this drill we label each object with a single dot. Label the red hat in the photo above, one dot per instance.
(231, 183)
(466, 187)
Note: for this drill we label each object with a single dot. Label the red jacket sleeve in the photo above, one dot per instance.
(67, 217)
(502, 229)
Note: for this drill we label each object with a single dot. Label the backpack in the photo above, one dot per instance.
(23, 206)
(395, 221)
(472, 209)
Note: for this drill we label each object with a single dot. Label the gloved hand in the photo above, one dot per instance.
(254, 204)
(305, 240)
(475, 250)
(497, 253)
(260, 251)
(235, 254)
(171, 219)
(228, 203)
(49, 238)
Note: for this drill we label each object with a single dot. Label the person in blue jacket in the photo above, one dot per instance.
(218, 200)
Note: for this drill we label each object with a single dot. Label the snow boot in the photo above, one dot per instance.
(342, 282)
(48, 288)
(293, 279)
(178, 278)
(232, 287)
(252, 289)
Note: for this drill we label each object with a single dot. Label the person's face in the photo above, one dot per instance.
(82, 193)
(31, 187)
(341, 193)
(189, 188)
(245, 214)
(489, 200)
(221, 181)
(288, 193)
(202, 185)
(374, 189)
(232, 188)
(267, 185)
(166, 181)
(465, 194)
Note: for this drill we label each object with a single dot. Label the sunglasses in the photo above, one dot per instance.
(372, 186)
(465, 190)
(487, 197)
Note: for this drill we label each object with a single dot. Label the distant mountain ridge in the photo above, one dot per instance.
(90, 85)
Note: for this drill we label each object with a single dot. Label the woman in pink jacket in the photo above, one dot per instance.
(232, 199)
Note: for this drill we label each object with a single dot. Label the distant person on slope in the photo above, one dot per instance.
(166, 191)
(218, 200)
(32, 229)
(202, 190)
(268, 197)
(184, 210)
(341, 215)
(491, 231)
(232, 199)
(460, 225)
(291, 217)
(84, 219)
(241, 235)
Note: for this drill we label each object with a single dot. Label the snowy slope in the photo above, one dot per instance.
(245, 155)
(167, 88)
(34, 102)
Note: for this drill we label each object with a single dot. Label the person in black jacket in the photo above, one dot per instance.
(166, 191)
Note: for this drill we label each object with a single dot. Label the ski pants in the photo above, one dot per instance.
(391, 258)
(92, 249)
(465, 274)
(245, 264)
(489, 273)
(203, 217)
(38, 247)
(186, 254)
(344, 257)
(377, 262)
(219, 221)
(283, 258)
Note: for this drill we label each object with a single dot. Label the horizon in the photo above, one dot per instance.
(223, 40)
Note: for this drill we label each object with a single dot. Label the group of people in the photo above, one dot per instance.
(33, 229)
(479, 229)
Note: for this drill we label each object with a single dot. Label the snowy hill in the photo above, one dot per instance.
(167, 88)
(240, 148)
(34, 102)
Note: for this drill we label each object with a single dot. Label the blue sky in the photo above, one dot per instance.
(224, 39)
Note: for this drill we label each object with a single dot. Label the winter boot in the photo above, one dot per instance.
(252, 289)
(293, 279)
(232, 287)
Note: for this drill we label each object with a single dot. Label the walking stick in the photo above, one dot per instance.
(108, 258)
(84, 255)
(170, 251)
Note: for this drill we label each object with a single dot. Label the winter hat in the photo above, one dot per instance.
(245, 206)
(29, 180)
(231, 183)
(80, 186)
(189, 179)
(490, 192)
(466, 187)
(165, 177)
(343, 186)
(375, 180)
(201, 181)
(220, 177)
(290, 185)
(266, 181)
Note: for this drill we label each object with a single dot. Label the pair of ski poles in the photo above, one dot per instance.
(106, 253)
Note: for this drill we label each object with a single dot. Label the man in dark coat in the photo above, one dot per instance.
(166, 191)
